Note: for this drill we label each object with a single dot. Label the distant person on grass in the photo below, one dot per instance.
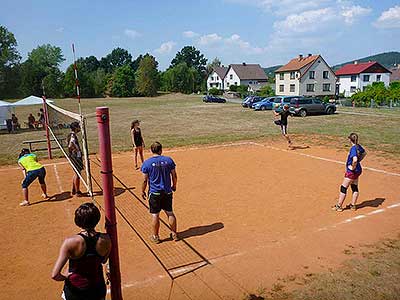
(158, 172)
(31, 121)
(137, 142)
(75, 155)
(86, 252)
(283, 122)
(32, 169)
(353, 172)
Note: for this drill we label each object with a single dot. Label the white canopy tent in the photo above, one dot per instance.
(31, 100)
(5, 113)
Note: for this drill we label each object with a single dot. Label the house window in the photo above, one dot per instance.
(281, 88)
(250, 82)
(292, 88)
(231, 76)
(212, 78)
(325, 74)
(353, 89)
(365, 77)
(216, 78)
(292, 75)
(310, 87)
(326, 87)
(281, 76)
(353, 78)
(378, 77)
(312, 74)
(235, 83)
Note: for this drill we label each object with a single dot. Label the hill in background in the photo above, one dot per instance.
(388, 59)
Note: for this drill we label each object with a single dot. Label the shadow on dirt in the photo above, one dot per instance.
(371, 203)
(200, 230)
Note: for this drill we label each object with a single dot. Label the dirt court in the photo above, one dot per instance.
(249, 213)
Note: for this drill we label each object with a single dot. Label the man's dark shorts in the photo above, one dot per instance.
(77, 162)
(160, 201)
(32, 175)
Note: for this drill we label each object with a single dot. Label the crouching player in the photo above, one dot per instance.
(353, 172)
(32, 169)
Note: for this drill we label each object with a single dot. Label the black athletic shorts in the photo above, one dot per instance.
(76, 161)
(73, 293)
(160, 201)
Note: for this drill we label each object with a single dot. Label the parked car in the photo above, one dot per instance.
(283, 100)
(264, 104)
(253, 100)
(245, 101)
(305, 106)
(213, 99)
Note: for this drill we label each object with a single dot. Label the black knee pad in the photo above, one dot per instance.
(354, 188)
(343, 189)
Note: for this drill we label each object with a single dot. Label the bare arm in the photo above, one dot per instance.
(61, 261)
(174, 179)
(144, 185)
(354, 163)
(23, 169)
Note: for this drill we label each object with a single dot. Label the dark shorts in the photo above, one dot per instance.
(284, 128)
(352, 175)
(160, 201)
(77, 162)
(73, 293)
(32, 175)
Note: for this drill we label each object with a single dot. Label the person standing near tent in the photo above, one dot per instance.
(31, 121)
(75, 155)
(32, 169)
(14, 122)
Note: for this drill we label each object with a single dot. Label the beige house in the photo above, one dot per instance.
(305, 76)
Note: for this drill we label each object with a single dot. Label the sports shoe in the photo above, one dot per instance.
(174, 236)
(353, 207)
(24, 203)
(337, 207)
(155, 239)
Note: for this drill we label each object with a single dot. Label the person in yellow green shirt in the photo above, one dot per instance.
(32, 169)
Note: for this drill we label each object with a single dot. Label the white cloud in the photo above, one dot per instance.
(236, 40)
(166, 47)
(307, 21)
(353, 12)
(209, 39)
(131, 33)
(285, 7)
(389, 18)
(190, 34)
(60, 29)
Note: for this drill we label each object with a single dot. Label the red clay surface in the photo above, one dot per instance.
(255, 213)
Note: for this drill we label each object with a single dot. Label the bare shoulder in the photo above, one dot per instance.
(104, 239)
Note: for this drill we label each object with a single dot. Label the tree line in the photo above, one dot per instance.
(117, 74)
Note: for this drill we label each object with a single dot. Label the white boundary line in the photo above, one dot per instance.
(58, 178)
(322, 158)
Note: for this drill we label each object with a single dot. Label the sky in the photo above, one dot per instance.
(268, 32)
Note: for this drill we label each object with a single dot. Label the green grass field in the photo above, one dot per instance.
(180, 120)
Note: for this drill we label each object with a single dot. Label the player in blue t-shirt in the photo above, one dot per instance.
(158, 172)
(353, 171)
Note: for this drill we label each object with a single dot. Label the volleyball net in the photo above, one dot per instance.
(59, 125)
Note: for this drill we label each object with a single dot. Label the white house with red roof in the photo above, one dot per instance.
(305, 76)
(357, 76)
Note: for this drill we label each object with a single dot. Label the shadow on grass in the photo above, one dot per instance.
(200, 230)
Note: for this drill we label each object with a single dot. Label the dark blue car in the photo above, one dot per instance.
(213, 99)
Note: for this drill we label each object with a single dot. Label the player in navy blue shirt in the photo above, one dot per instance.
(353, 171)
(160, 174)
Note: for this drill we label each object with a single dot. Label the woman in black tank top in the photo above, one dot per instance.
(137, 141)
(85, 252)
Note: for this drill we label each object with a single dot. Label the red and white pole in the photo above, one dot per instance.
(46, 126)
(103, 125)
